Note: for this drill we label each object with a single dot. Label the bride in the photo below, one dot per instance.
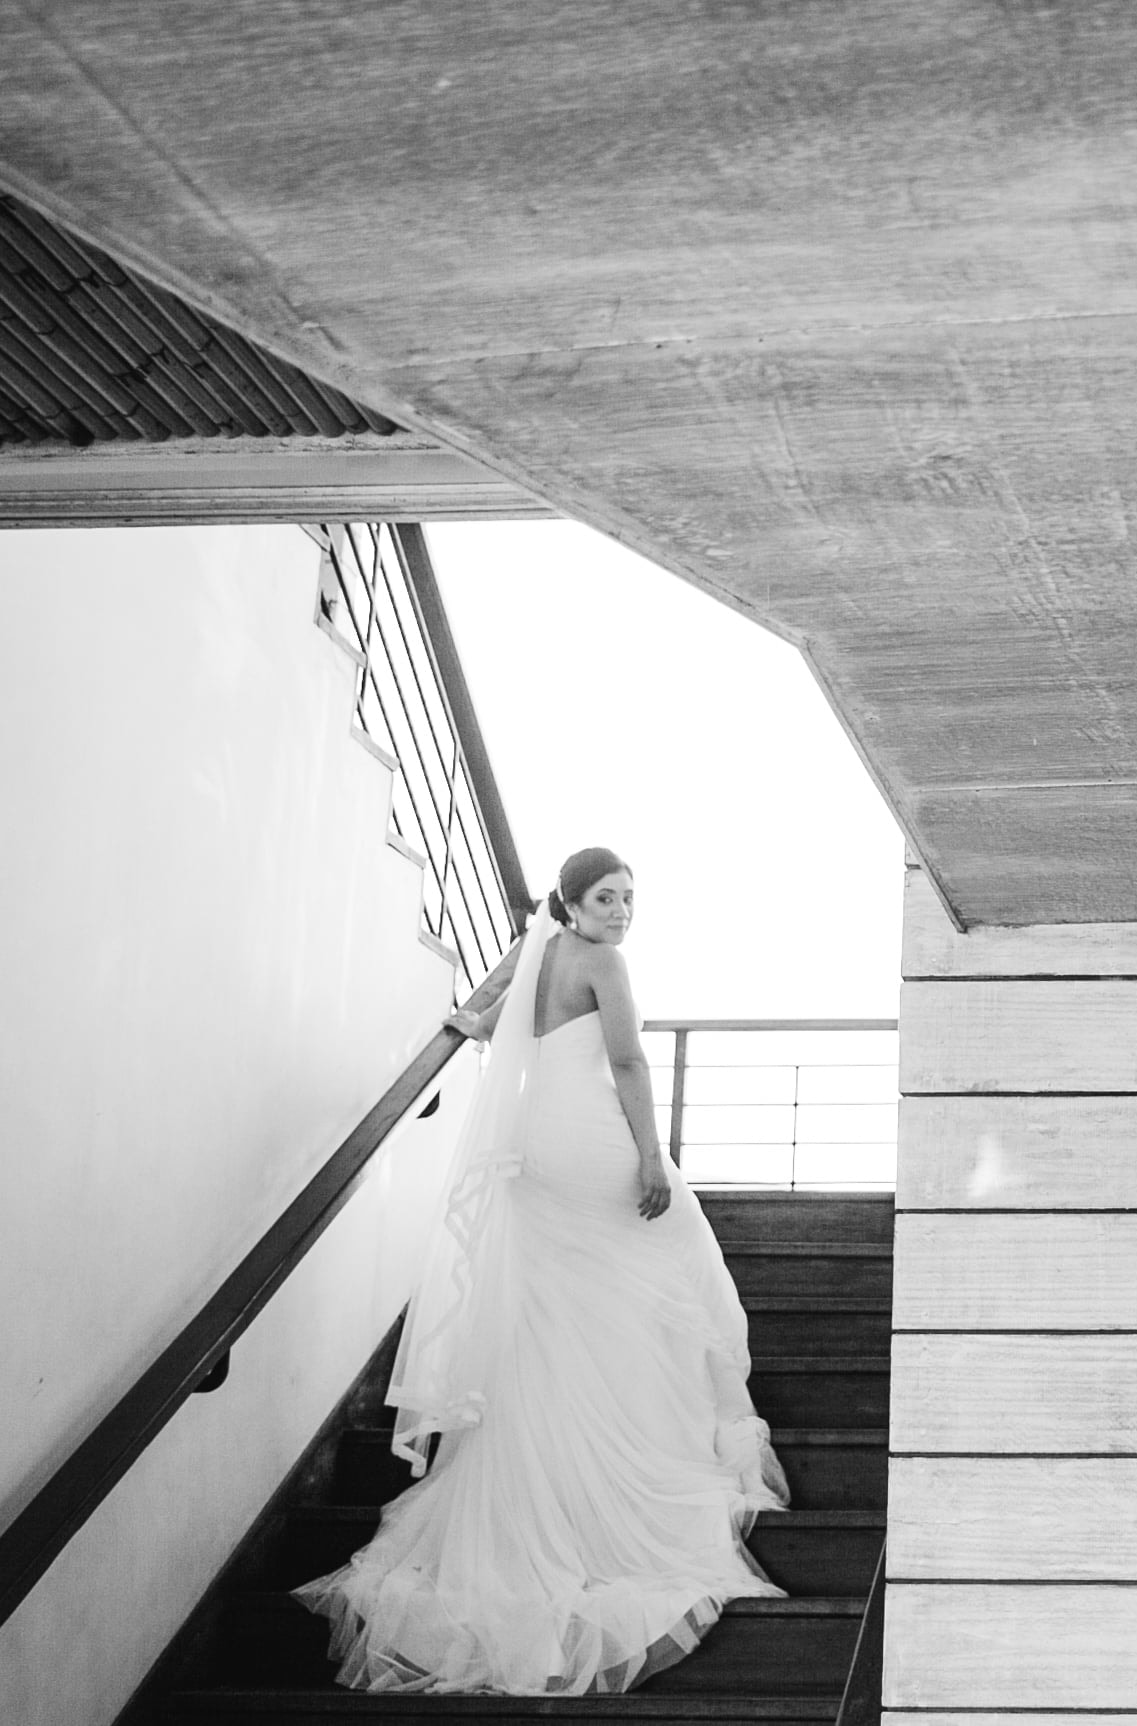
(578, 1343)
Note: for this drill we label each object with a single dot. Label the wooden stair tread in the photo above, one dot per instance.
(822, 1201)
(771, 1363)
(817, 1205)
(792, 1302)
(641, 1704)
(822, 1435)
(807, 1249)
(368, 1514)
(780, 1435)
(821, 1518)
(799, 1606)
(821, 1218)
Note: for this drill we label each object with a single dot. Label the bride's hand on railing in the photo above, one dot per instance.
(466, 1023)
(655, 1189)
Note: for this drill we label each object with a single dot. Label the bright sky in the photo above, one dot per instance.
(623, 707)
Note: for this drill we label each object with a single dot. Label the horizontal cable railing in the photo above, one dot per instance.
(780, 1103)
(378, 595)
(41, 1531)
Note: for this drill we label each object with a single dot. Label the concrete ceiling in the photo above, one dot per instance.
(830, 307)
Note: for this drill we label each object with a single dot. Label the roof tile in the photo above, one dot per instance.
(89, 350)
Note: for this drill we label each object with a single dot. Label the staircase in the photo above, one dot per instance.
(815, 1274)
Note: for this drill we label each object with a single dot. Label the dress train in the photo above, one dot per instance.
(587, 1529)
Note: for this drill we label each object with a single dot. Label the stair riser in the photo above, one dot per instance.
(775, 1656)
(789, 1275)
(312, 1548)
(282, 1645)
(813, 1562)
(833, 1477)
(797, 1333)
(803, 1561)
(825, 1399)
(776, 1218)
(366, 1472)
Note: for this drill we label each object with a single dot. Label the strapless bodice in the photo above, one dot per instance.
(567, 1025)
(590, 1019)
(572, 1061)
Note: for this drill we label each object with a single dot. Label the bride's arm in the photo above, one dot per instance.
(618, 1020)
(478, 1026)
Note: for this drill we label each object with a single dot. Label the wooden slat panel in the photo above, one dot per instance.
(1029, 1272)
(1015, 1393)
(1017, 1518)
(1040, 1153)
(969, 1037)
(991, 1646)
(975, 1717)
(933, 947)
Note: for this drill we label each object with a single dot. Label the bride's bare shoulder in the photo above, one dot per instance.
(606, 964)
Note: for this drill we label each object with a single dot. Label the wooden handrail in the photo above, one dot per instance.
(79, 1485)
(861, 1702)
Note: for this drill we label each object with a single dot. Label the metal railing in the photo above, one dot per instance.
(780, 1103)
(412, 705)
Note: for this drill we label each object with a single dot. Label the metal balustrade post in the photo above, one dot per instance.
(449, 853)
(678, 1086)
(793, 1142)
(413, 696)
(422, 587)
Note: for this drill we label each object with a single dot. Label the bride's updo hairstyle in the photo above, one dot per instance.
(578, 873)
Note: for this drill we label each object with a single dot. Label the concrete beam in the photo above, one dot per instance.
(827, 309)
(360, 478)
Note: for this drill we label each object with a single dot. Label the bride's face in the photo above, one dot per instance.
(605, 911)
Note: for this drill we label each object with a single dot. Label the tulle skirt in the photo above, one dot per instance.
(587, 1531)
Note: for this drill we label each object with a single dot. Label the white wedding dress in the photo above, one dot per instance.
(583, 1520)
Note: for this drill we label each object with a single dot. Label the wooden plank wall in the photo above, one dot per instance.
(1012, 1517)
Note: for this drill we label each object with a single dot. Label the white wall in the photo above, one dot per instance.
(209, 970)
